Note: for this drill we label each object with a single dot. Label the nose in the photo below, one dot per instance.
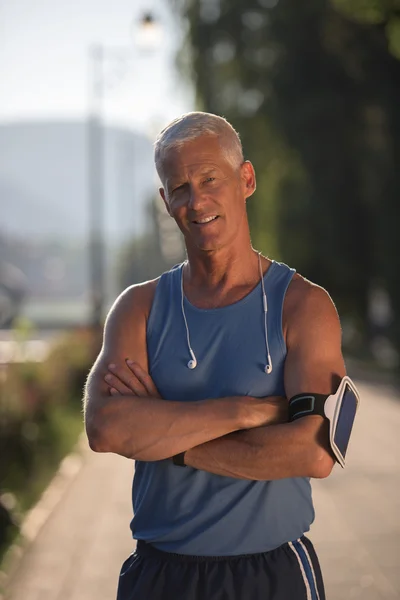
(195, 198)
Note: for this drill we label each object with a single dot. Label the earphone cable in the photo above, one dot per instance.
(186, 325)
(268, 367)
(193, 363)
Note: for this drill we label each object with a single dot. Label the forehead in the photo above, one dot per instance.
(198, 154)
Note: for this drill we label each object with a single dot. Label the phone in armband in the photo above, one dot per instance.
(339, 408)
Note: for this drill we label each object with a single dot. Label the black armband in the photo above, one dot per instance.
(303, 405)
(339, 408)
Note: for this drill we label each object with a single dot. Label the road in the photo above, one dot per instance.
(78, 552)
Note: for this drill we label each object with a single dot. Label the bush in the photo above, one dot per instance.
(40, 420)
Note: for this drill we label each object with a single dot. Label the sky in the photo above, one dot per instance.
(44, 64)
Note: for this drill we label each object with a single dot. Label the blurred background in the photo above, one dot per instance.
(314, 90)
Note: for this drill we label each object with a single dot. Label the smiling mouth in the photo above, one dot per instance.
(205, 220)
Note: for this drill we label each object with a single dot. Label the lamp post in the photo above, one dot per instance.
(96, 189)
(146, 31)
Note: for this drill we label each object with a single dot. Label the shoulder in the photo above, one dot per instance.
(125, 326)
(303, 295)
(135, 301)
(308, 305)
(124, 335)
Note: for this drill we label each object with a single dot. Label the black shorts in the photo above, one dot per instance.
(290, 572)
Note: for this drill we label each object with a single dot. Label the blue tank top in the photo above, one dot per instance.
(194, 512)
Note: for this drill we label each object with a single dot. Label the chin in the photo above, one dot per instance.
(209, 245)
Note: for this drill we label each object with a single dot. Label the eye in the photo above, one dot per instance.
(209, 179)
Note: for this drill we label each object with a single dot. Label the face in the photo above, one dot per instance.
(205, 194)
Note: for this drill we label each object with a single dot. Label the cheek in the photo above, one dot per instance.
(178, 209)
(178, 203)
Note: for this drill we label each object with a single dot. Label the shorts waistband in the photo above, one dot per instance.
(145, 549)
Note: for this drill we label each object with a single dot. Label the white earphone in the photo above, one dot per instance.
(192, 364)
(268, 366)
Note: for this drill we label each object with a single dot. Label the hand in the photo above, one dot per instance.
(269, 410)
(130, 380)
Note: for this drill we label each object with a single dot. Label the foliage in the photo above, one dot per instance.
(40, 420)
(64, 372)
(313, 88)
(139, 260)
(156, 251)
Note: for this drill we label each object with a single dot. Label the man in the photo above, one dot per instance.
(192, 382)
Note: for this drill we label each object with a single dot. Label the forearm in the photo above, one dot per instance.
(154, 429)
(266, 453)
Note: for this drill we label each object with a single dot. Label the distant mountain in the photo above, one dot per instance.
(22, 212)
(43, 180)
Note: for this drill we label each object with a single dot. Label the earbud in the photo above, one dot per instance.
(268, 369)
(192, 364)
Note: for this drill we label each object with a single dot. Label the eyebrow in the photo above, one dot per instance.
(207, 171)
(175, 182)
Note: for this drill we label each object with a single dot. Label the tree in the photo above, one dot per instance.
(314, 91)
(158, 248)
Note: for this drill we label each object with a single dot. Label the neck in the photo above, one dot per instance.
(223, 268)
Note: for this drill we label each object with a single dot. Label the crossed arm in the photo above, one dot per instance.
(314, 363)
(136, 422)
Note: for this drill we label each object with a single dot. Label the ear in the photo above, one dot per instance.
(248, 177)
(162, 194)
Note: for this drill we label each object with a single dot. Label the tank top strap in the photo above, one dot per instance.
(276, 284)
(166, 295)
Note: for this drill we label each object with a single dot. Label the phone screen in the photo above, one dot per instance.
(345, 420)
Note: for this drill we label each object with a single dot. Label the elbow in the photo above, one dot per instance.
(95, 444)
(318, 455)
(98, 430)
(104, 437)
(322, 464)
(99, 441)
(95, 440)
(96, 435)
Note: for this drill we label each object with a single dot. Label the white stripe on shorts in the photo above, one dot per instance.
(311, 565)
(306, 583)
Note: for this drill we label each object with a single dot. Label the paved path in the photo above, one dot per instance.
(79, 550)
(357, 528)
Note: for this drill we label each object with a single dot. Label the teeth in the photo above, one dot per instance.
(206, 220)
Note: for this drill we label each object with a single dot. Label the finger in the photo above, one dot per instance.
(115, 383)
(144, 378)
(127, 378)
(114, 392)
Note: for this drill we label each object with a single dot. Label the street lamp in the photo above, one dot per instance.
(146, 32)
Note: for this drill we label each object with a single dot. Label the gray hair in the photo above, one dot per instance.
(192, 125)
